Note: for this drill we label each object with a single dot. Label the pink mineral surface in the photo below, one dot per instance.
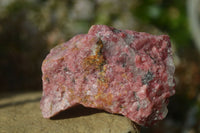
(120, 71)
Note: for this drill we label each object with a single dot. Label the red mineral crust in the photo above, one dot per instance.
(120, 71)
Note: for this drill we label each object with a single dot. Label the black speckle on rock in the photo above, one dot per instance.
(147, 78)
(65, 69)
(99, 42)
(124, 65)
(73, 80)
(138, 107)
(116, 30)
(47, 79)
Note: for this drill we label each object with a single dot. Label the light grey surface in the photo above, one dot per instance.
(20, 113)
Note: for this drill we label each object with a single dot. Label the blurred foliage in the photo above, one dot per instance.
(169, 16)
(30, 28)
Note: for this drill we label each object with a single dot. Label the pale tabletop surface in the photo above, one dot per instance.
(20, 113)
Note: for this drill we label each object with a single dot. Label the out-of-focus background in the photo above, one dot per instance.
(30, 28)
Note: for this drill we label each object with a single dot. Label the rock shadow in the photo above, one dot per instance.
(76, 111)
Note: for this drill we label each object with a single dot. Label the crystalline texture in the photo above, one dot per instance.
(120, 71)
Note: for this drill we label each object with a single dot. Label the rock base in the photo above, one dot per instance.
(20, 112)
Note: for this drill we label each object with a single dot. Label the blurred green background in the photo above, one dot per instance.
(30, 28)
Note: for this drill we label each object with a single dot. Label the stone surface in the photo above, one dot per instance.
(20, 113)
(120, 71)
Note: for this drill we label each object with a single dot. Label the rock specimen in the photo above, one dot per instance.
(120, 71)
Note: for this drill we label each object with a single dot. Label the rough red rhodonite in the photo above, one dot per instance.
(120, 71)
